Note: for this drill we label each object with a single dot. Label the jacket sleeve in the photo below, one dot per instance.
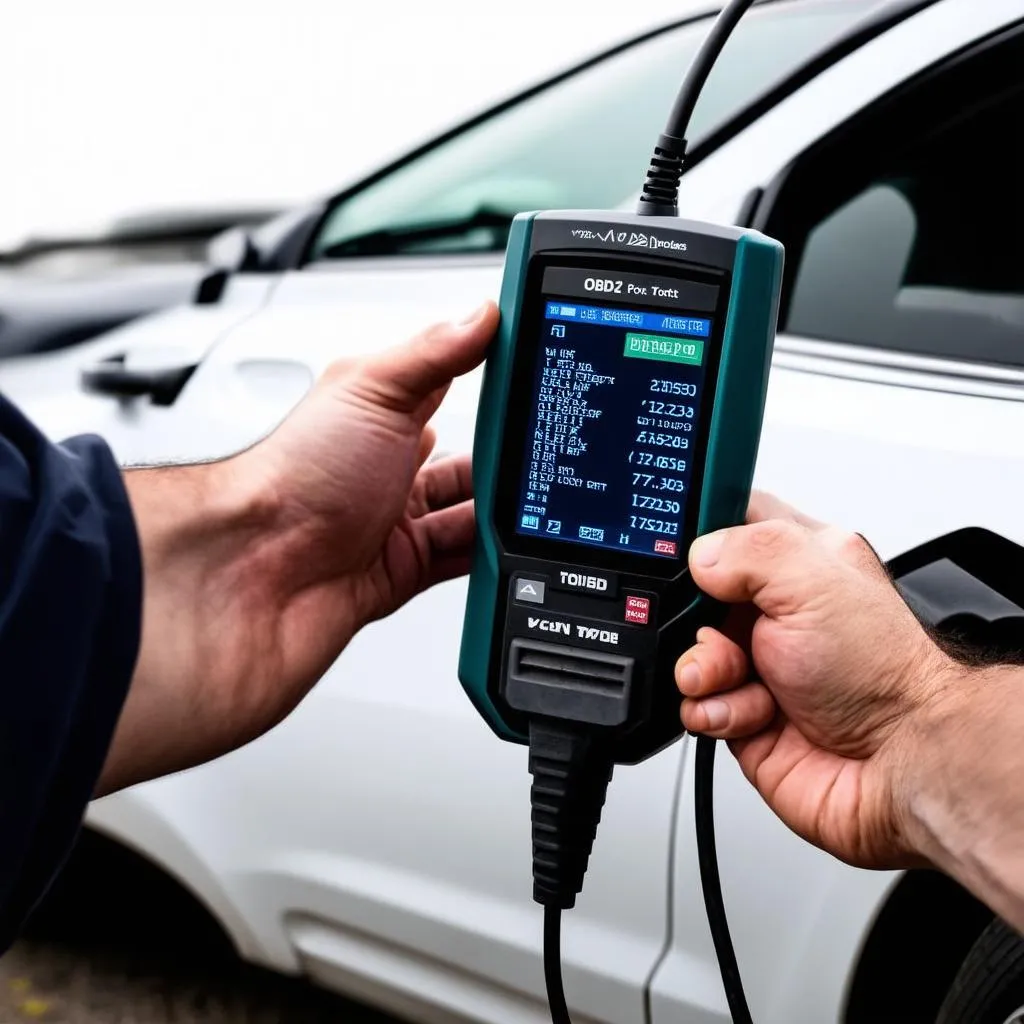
(70, 622)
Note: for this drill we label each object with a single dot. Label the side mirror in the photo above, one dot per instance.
(278, 245)
(229, 252)
(232, 251)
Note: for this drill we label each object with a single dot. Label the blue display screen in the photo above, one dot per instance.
(614, 412)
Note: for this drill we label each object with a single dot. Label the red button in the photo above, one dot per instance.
(665, 547)
(638, 610)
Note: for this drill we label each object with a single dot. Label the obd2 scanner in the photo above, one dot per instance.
(619, 418)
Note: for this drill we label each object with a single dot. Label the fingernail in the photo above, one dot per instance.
(689, 678)
(474, 316)
(705, 551)
(717, 714)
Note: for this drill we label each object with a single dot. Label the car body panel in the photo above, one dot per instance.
(59, 292)
(43, 315)
(48, 386)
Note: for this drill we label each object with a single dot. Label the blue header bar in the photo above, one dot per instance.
(633, 319)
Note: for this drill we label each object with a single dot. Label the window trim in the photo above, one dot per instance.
(858, 35)
(871, 363)
(405, 261)
(897, 369)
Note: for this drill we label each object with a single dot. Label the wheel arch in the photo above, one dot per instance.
(133, 824)
(913, 950)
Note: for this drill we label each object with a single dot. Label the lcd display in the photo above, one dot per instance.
(614, 410)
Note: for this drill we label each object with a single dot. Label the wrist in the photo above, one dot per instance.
(206, 513)
(944, 786)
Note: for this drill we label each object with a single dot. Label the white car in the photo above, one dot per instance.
(378, 841)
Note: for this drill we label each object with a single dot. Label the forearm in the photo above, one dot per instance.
(964, 789)
(202, 617)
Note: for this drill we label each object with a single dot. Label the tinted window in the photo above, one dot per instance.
(582, 143)
(905, 237)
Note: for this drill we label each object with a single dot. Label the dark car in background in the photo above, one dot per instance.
(56, 292)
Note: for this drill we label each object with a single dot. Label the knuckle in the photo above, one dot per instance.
(771, 538)
(723, 660)
(433, 334)
(736, 663)
(855, 550)
(762, 700)
(336, 370)
(722, 666)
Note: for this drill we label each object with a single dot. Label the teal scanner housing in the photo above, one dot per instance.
(637, 348)
(620, 415)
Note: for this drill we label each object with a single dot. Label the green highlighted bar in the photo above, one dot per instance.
(668, 350)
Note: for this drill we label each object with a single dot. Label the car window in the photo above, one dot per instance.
(584, 142)
(913, 252)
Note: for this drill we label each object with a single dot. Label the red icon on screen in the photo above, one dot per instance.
(638, 610)
(664, 547)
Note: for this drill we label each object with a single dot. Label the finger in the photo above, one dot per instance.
(404, 377)
(428, 440)
(766, 506)
(713, 664)
(776, 564)
(739, 626)
(450, 535)
(439, 484)
(733, 715)
(450, 567)
(433, 401)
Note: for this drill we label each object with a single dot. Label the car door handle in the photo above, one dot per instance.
(111, 377)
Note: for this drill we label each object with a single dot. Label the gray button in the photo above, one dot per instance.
(530, 590)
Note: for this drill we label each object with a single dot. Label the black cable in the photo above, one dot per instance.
(571, 768)
(711, 882)
(661, 189)
(553, 965)
(682, 111)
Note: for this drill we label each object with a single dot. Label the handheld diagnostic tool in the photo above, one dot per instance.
(619, 418)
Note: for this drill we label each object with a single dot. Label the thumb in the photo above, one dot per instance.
(404, 377)
(774, 563)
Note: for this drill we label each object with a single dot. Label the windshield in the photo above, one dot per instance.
(583, 143)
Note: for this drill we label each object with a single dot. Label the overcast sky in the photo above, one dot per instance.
(114, 107)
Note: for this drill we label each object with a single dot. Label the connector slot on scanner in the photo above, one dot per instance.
(568, 682)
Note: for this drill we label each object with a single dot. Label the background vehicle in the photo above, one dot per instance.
(58, 292)
(378, 841)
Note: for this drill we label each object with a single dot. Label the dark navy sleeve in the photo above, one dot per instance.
(70, 622)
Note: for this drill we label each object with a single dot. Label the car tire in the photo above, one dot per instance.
(989, 987)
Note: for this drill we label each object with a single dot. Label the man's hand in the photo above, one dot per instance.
(856, 728)
(822, 726)
(261, 568)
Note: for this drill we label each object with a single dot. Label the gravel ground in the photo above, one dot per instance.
(60, 984)
(117, 942)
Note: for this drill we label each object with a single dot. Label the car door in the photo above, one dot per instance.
(896, 407)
